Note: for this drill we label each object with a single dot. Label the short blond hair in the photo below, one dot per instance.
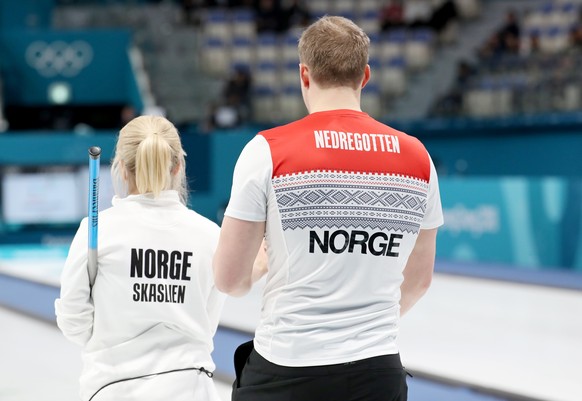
(336, 52)
(149, 150)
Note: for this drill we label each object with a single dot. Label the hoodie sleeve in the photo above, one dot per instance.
(74, 309)
(216, 299)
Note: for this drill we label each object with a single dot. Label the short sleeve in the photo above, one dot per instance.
(250, 183)
(433, 217)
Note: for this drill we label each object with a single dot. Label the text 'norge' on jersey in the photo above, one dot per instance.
(340, 241)
(159, 264)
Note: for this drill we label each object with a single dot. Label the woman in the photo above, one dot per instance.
(147, 323)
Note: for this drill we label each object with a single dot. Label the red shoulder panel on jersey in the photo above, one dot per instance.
(345, 140)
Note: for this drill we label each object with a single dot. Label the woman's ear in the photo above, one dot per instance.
(123, 171)
(176, 168)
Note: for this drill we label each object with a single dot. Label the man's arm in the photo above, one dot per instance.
(418, 270)
(261, 264)
(238, 248)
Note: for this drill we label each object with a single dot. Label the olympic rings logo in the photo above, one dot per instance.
(58, 57)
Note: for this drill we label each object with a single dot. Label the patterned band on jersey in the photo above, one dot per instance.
(319, 199)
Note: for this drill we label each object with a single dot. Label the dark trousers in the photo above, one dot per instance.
(380, 378)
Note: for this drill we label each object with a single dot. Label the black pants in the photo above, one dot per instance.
(380, 378)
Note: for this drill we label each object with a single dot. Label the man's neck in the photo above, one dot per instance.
(334, 99)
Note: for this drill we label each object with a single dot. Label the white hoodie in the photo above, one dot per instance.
(153, 307)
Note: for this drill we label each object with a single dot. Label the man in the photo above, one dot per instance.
(348, 208)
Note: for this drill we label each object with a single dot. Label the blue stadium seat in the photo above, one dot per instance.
(265, 73)
(289, 48)
(265, 104)
(242, 51)
(289, 74)
(372, 99)
(392, 44)
(393, 77)
(292, 106)
(216, 56)
(243, 23)
(418, 49)
(267, 48)
(217, 24)
(369, 21)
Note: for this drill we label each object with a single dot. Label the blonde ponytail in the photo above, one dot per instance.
(149, 158)
(153, 165)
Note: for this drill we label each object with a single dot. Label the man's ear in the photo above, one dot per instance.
(367, 75)
(304, 75)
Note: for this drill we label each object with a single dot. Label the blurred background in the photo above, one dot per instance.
(491, 87)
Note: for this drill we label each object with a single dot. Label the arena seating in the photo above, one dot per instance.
(397, 53)
(541, 76)
(190, 62)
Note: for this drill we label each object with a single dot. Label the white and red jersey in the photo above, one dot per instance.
(344, 198)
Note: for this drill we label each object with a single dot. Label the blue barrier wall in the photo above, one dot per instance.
(49, 148)
(539, 145)
(540, 154)
(522, 221)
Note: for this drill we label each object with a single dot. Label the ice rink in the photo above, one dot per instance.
(469, 339)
